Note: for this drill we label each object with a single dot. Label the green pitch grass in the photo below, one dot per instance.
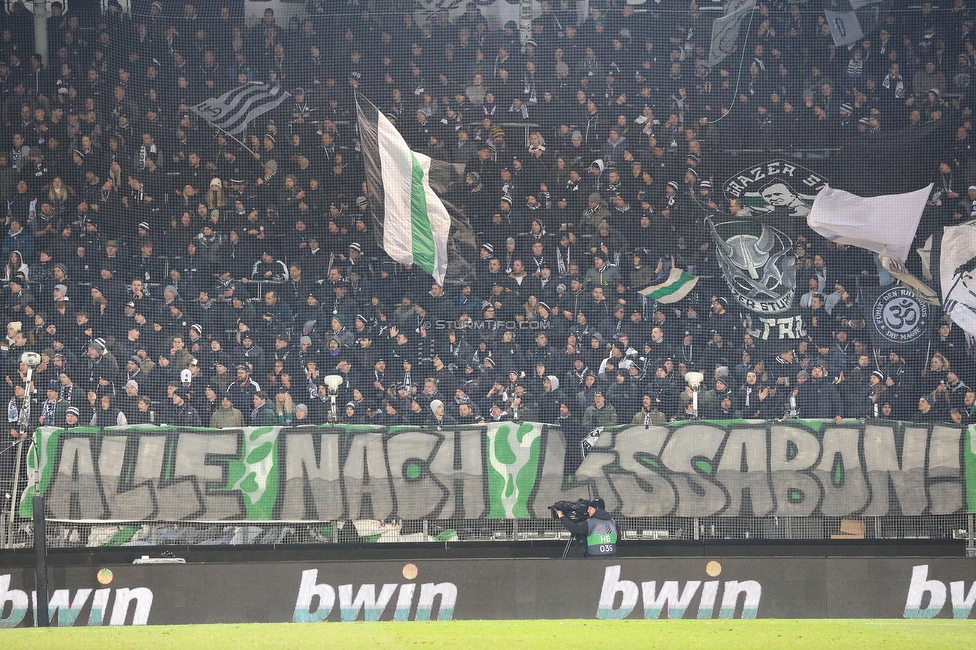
(462, 635)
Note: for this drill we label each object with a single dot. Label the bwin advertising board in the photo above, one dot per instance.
(442, 590)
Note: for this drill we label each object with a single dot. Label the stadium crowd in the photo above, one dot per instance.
(168, 274)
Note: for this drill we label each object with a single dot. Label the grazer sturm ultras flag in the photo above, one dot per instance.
(410, 221)
(235, 109)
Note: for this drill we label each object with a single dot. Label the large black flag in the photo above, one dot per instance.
(755, 248)
(893, 162)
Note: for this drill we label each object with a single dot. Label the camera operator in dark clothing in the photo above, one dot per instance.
(598, 528)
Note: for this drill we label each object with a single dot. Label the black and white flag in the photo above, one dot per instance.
(851, 20)
(958, 274)
(235, 109)
(755, 250)
(589, 442)
(726, 28)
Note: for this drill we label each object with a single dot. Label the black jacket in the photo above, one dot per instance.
(600, 531)
(819, 399)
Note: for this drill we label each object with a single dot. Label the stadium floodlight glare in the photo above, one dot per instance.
(332, 382)
(31, 359)
(694, 380)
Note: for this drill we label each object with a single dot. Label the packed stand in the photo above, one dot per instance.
(168, 274)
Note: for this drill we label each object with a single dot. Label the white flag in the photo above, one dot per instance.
(733, 6)
(958, 270)
(845, 28)
(882, 224)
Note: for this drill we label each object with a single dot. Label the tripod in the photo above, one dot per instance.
(569, 544)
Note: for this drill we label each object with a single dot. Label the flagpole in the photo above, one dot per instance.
(742, 59)
(274, 91)
(246, 148)
(355, 98)
(874, 348)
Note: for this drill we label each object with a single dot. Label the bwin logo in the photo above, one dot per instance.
(676, 599)
(316, 601)
(64, 609)
(962, 602)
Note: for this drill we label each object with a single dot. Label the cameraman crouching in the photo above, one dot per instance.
(599, 529)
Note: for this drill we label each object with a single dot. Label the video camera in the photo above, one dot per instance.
(575, 510)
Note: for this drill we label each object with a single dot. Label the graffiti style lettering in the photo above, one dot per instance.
(366, 477)
(314, 474)
(786, 468)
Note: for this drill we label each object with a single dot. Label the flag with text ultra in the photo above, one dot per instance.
(410, 222)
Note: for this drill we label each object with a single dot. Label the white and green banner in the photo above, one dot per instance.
(501, 471)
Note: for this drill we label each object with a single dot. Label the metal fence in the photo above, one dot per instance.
(633, 531)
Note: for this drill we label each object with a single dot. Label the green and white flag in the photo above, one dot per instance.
(410, 221)
(678, 285)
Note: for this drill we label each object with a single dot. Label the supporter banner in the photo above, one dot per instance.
(502, 471)
(896, 317)
(444, 590)
(755, 250)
